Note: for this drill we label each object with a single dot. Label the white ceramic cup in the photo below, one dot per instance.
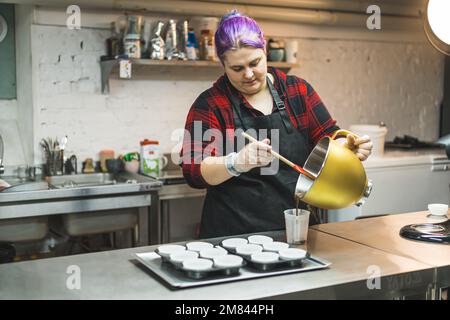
(291, 48)
(296, 225)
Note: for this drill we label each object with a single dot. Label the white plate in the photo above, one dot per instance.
(259, 239)
(197, 264)
(248, 249)
(167, 249)
(198, 246)
(228, 261)
(275, 246)
(233, 243)
(265, 257)
(183, 256)
(292, 254)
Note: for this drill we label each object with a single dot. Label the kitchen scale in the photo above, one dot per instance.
(429, 232)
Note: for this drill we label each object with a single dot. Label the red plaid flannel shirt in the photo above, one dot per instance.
(213, 110)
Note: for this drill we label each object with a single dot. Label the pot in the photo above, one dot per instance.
(340, 176)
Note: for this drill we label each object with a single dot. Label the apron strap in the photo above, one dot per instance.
(281, 108)
(301, 105)
(236, 104)
(278, 102)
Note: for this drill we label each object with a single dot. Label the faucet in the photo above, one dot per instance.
(2, 168)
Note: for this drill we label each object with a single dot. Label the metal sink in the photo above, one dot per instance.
(17, 185)
(83, 180)
(62, 182)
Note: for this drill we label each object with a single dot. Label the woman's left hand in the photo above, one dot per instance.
(361, 146)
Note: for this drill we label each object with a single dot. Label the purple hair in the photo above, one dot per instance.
(236, 31)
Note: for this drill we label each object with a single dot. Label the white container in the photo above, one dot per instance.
(292, 254)
(376, 133)
(197, 264)
(248, 249)
(296, 225)
(179, 257)
(259, 239)
(211, 253)
(265, 257)
(275, 246)
(233, 243)
(291, 51)
(438, 209)
(167, 249)
(228, 261)
(198, 246)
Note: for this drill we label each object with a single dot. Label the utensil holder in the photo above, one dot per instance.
(54, 163)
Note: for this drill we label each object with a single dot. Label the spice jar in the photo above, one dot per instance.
(207, 49)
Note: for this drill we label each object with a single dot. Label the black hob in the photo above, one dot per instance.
(409, 142)
(429, 232)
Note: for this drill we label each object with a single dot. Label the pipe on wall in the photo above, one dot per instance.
(199, 8)
(410, 8)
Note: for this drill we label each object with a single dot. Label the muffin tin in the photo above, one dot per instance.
(200, 264)
(263, 259)
(260, 253)
(173, 273)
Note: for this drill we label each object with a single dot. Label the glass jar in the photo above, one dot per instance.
(207, 48)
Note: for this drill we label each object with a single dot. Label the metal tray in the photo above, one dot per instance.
(177, 279)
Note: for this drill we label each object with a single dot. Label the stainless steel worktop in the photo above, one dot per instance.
(127, 183)
(118, 275)
(382, 233)
(108, 194)
(80, 198)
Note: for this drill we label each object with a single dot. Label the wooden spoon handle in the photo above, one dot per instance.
(283, 159)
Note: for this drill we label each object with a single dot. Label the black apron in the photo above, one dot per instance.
(253, 202)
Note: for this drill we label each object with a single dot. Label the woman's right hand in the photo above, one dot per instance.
(253, 155)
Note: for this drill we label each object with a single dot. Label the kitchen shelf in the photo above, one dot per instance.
(107, 66)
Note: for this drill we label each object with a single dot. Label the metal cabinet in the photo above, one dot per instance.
(180, 209)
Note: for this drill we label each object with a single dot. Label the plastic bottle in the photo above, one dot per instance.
(191, 45)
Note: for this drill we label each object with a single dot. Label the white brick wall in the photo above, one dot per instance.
(360, 82)
(368, 82)
(8, 109)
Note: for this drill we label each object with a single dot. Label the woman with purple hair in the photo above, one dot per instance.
(284, 112)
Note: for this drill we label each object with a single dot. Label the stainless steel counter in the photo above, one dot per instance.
(141, 184)
(79, 199)
(129, 191)
(118, 275)
(382, 233)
